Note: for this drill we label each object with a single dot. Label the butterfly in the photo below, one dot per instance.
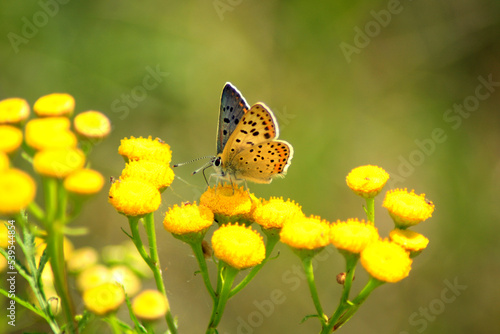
(247, 144)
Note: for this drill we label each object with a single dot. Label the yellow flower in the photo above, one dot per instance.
(156, 173)
(56, 104)
(50, 133)
(58, 163)
(10, 138)
(4, 235)
(227, 200)
(3, 264)
(17, 190)
(134, 198)
(104, 298)
(84, 182)
(238, 246)
(93, 276)
(150, 305)
(367, 181)
(81, 259)
(13, 110)
(386, 261)
(306, 233)
(92, 124)
(145, 149)
(352, 235)
(125, 276)
(4, 161)
(407, 209)
(275, 212)
(188, 218)
(411, 241)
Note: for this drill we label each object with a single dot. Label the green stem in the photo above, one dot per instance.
(198, 253)
(55, 208)
(370, 209)
(36, 211)
(308, 268)
(227, 276)
(272, 238)
(114, 324)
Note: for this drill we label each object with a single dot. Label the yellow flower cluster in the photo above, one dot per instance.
(146, 174)
(51, 142)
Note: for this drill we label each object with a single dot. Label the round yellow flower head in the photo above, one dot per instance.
(238, 246)
(407, 209)
(92, 124)
(156, 173)
(50, 133)
(352, 235)
(227, 200)
(125, 276)
(386, 261)
(410, 240)
(145, 149)
(93, 276)
(134, 198)
(306, 233)
(4, 161)
(13, 110)
(104, 298)
(58, 163)
(17, 190)
(81, 259)
(188, 218)
(84, 182)
(150, 305)
(367, 181)
(275, 212)
(56, 104)
(10, 138)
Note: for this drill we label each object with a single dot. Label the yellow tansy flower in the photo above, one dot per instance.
(10, 138)
(92, 124)
(58, 163)
(188, 218)
(238, 246)
(275, 212)
(156, 173)
(227, 200)
(13, 110)
(352, 235)
(17, 190)
(150, 305)
(81, 259)
(407, 209)
(386, 261)
(145, 149)
(93, 276)
(367, 181)
(56, 104)
(104, 298)
(4, 161)
(410, 240)
(49, 133)
(134, 198)
(125, 276)
(84, 182)
(306, 233)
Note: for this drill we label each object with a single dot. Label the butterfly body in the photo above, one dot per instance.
(247, 144)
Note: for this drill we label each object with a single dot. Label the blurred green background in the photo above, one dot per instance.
(411, 86)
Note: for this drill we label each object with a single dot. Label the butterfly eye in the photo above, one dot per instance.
(217, 162)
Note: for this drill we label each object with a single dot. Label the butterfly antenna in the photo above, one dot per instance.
(190, 161)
